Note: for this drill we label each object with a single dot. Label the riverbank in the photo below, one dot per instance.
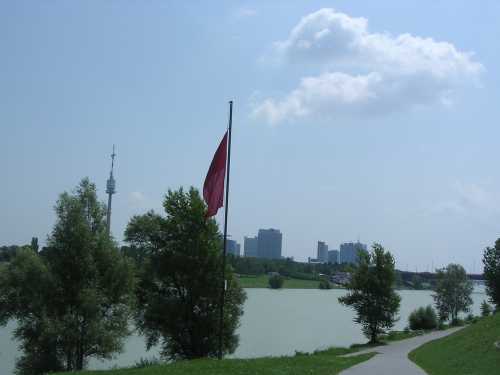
(327, 362)
(469, 351)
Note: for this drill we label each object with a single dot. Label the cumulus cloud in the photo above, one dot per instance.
(365, 72)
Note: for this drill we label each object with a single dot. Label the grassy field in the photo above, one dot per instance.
(325, 362)
(261, 281)
(470, 351)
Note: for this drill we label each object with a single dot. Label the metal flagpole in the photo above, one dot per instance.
(223, 281)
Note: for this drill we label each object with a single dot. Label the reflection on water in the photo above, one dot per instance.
(276, 322)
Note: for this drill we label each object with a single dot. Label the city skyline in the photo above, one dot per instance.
(335, 133)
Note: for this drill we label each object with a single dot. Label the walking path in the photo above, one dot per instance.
(393, 358)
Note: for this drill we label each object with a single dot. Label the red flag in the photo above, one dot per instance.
(213, 188)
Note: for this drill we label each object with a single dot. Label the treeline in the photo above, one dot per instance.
(287, 267)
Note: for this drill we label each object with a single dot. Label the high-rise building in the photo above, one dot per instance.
(333, 256)
(250, 245)
(322, 252)
(349, 252)
(269, 243)
(233, 247)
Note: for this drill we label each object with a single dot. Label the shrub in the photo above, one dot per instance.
(276, 282)
(423, 318)
(146, 362)
(485, 309)
(325, 284)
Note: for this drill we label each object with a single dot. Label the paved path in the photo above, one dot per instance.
(393, 358)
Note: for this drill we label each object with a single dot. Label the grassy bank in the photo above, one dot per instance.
(325, 362)
(261, 281)
(469, 351)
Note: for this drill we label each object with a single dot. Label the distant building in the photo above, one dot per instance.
(333, 256)
(233, 248)
(269, 243)
(313, 260)
(250, 247)
(349, 252)
(322, 255)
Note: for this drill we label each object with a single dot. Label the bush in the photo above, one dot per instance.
(485, 309)
(276, 282)
(469, 318)
(423, 318)
(146, 362)
(325, 284)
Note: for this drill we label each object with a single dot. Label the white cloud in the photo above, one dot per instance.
(365, 72)
(246, 12)
(468, 199)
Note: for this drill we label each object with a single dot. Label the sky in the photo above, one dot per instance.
(352, 119)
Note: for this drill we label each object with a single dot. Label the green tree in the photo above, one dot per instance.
(324, 284)
(34, 244)
(276, 281)
(180, 283)
(453, 292)
(485, 309)
(371, 292)
(491, 261)
(73, 300)
(423, 318)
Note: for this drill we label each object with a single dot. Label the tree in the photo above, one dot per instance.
(491, 261)
(276, 281)
(324, 284)
(423, 318)
(371, 293)
(180, 283)
(453, 292)
(34, 244)
(485, 309)
(73, 300)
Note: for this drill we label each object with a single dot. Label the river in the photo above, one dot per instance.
(276, 322)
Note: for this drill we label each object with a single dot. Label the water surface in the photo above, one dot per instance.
(276, 322)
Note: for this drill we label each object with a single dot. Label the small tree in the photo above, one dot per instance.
(423, 318)
(371, 293)
(491, 261)
(486, 309)
(324, 284)
(180, 283)
(453, 292)
(276, 281)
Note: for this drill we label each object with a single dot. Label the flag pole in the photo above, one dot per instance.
(223, 281)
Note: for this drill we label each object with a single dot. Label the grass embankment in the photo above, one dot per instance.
(470, 351)
(262, 281)
(325, 362)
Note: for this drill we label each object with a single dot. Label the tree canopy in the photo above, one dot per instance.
(453, 292)
(72, 300)
(180, 283)
(491, 261)
(371, 292)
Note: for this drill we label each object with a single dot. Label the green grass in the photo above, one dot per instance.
(325, 362)
(261, 281)
(470, 351)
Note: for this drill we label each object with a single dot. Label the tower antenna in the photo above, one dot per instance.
(110, 190)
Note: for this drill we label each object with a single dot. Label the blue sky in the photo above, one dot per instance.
(352, 119)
